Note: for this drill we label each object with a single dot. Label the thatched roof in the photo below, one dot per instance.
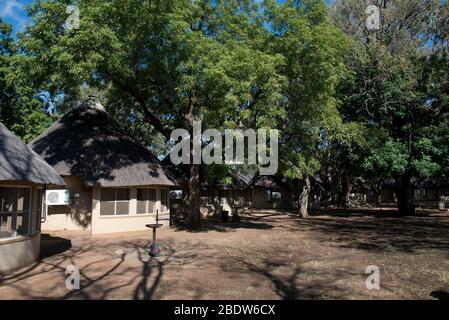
(269, 182)
(87, 142)
(19, 163)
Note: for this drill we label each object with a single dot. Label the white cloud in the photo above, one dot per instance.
(11, 9)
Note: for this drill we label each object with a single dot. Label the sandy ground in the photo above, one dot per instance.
(268, 255)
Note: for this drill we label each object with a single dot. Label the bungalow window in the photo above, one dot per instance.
(146, 201)
(164, 200)
(114, 201)
(37, 222)
(15, 205)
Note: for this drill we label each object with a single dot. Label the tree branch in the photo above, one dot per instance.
(148, 116)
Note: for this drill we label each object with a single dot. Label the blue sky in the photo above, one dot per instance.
(12, 12)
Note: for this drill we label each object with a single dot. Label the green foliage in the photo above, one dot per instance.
(152, 60)
(397, 87)
(20, 110)
(313, 52)
(233, 64)
(219, 174)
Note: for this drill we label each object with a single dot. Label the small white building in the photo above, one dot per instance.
(24, 176)
(115, 183)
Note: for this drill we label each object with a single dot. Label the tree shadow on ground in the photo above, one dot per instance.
(214, 224)
(377, 233)
(440, 295)
(106, 269)
(291, 285)
(51, 245)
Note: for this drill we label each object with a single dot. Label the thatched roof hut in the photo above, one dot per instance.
(89, 143)
(269, 182)
(19, 163)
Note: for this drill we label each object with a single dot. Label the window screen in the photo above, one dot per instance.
(164, 200)
(36, 224)
(15, 204)
(114, 201)
(146, 201)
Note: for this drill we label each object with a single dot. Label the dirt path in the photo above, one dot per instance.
(268, 255)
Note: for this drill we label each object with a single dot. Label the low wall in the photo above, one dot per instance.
(18, 252)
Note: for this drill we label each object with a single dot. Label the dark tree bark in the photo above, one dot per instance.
(335, 185)
(194, 214)
(194, 197)
(347, 183)
(404, 195)
(304, 198)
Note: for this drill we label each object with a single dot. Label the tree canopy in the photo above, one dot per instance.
(349, 102)
(20, 109)
(395, 90)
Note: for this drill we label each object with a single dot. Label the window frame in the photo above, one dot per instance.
(14, 214)
(167, 200)
(146, 201)
(268, 196)
(116, 202)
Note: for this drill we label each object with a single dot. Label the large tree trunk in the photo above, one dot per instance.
(304, 198)
(194, 214)
(335, 185)
(194, 197)
(347, 182)
(404, 195)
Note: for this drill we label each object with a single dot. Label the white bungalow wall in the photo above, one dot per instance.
(83, 214)
(126, 223)
(76, 216)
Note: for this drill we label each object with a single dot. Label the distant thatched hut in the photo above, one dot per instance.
(271, 192)
(116, 184)
(23, 179)
(215, 196)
